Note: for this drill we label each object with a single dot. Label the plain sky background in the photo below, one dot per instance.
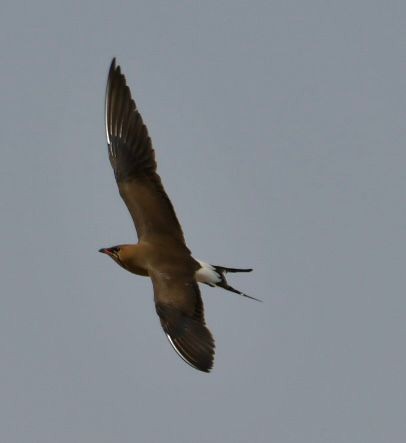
(279, 128)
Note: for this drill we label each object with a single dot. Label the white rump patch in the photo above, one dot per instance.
(207, 274)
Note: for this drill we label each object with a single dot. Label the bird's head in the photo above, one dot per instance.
(127, 256)
(116, 253)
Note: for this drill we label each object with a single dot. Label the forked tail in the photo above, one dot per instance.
(214, 275)
(223, 269)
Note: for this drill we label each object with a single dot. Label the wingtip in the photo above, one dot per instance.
(200, 366)
(113, 67)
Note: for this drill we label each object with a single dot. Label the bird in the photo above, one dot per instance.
(161, 252)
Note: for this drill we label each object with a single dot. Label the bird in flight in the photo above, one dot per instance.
(161, 252)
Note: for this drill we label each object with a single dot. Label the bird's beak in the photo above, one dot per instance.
(109, 252)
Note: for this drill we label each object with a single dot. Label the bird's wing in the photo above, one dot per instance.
(180, 309)
(133, 160)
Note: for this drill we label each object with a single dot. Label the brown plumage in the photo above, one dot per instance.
(161, 252)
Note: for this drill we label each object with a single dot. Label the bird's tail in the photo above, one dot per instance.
(214, 275)
(225, 270)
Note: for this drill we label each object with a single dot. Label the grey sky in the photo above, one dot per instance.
(279, 128)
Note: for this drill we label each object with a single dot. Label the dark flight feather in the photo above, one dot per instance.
(133, 160)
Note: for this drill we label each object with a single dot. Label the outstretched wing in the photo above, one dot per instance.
(180, 309)
(133, 160)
